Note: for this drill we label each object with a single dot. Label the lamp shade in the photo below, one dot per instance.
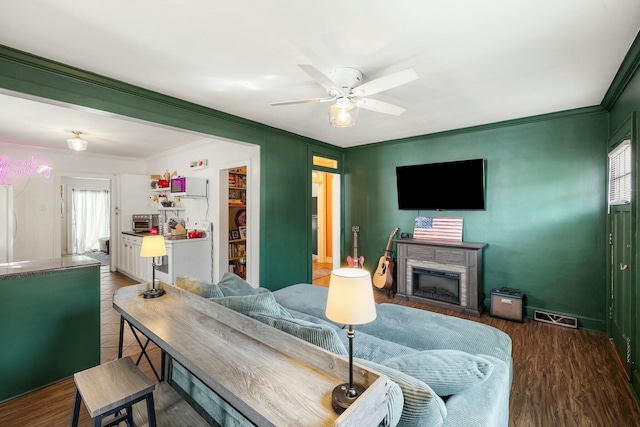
(350, 300)
(153, 246)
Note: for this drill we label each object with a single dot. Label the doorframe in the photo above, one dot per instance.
(57, 222)
(220, 221)
(628, 129)
(323, 215)
(337, 208)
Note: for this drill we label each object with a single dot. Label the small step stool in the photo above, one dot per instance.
(111, 388)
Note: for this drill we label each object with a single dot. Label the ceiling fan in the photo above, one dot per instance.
(344, 85)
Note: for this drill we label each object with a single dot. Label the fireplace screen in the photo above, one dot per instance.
(437, 285)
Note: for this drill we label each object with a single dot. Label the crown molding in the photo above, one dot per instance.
(490, 126)
(626, 71)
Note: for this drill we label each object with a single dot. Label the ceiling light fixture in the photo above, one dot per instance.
(343, 113)
(76, 143)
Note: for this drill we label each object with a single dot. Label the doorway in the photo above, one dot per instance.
(621, 249)
(86, 222)
(325, 225)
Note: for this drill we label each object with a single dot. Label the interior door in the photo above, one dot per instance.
(621, 282)
(622, 252)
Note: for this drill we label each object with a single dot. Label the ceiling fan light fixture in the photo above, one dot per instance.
(76, 143)
(343, 113)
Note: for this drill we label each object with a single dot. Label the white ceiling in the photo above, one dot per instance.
(478, 62)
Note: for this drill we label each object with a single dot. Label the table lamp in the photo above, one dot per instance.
(153, 246)
(350, 301)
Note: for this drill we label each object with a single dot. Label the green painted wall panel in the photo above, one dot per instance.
(545, 206)
(285, 224)
(49, 328)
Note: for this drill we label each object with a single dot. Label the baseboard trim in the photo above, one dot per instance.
(588, 323)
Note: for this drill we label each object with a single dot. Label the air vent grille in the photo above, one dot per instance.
(556, 319)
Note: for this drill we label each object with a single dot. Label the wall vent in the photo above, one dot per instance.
(556, 319)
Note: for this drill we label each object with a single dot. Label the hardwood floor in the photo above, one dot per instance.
(562, 376)
(324, 280)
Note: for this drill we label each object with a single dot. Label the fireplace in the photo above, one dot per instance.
(437, 285)
(441, 274)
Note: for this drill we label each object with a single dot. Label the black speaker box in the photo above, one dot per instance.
(506, 303)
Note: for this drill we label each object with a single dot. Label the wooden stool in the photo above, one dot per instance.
(110, 388)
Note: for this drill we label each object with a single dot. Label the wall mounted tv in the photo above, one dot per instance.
(455, 185)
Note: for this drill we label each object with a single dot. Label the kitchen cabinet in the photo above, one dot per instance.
(131, 263)
(238, 221)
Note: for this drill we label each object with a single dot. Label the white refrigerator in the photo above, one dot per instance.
(7, 224)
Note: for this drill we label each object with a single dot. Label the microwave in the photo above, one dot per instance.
(184, 186)
(144, 222)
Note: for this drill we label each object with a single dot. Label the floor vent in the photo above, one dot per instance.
(556, 319)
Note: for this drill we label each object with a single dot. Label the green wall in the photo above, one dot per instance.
(545, 211)
(285, 169)
(50, 328)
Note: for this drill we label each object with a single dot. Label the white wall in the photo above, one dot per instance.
(37, 200)
(221, 155)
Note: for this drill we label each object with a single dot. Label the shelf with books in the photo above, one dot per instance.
(237, 200)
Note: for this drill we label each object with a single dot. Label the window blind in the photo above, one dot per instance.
(620, 184)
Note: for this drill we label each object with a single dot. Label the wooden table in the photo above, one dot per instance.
(270, 377)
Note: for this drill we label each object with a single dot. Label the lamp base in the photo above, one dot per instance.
(339, 399)
(153, 293)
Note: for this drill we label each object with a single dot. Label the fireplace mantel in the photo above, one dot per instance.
(462, 257)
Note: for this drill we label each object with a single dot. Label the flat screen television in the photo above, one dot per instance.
(455, 185)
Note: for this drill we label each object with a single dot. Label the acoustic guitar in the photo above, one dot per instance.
(383, 277)
(355, 262)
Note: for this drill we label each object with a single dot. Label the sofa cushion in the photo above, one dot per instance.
(263, 302)
(484, 405)
(309, 318)
(305, 298)
(233, 285)
(400, 324)
(422, 406)
(199, 287)
(319, 335)
(374, 349)
(447, 372)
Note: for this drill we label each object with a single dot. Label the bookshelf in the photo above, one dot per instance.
(238, 221)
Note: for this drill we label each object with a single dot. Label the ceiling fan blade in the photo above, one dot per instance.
(318, 76)
(380, 106)
(302, 101)
(386, 82)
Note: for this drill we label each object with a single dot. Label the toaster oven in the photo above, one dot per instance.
(144, 222)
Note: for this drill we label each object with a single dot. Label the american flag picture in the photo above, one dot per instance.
(438, 228)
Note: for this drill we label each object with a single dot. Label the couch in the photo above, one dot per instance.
(444, 371)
